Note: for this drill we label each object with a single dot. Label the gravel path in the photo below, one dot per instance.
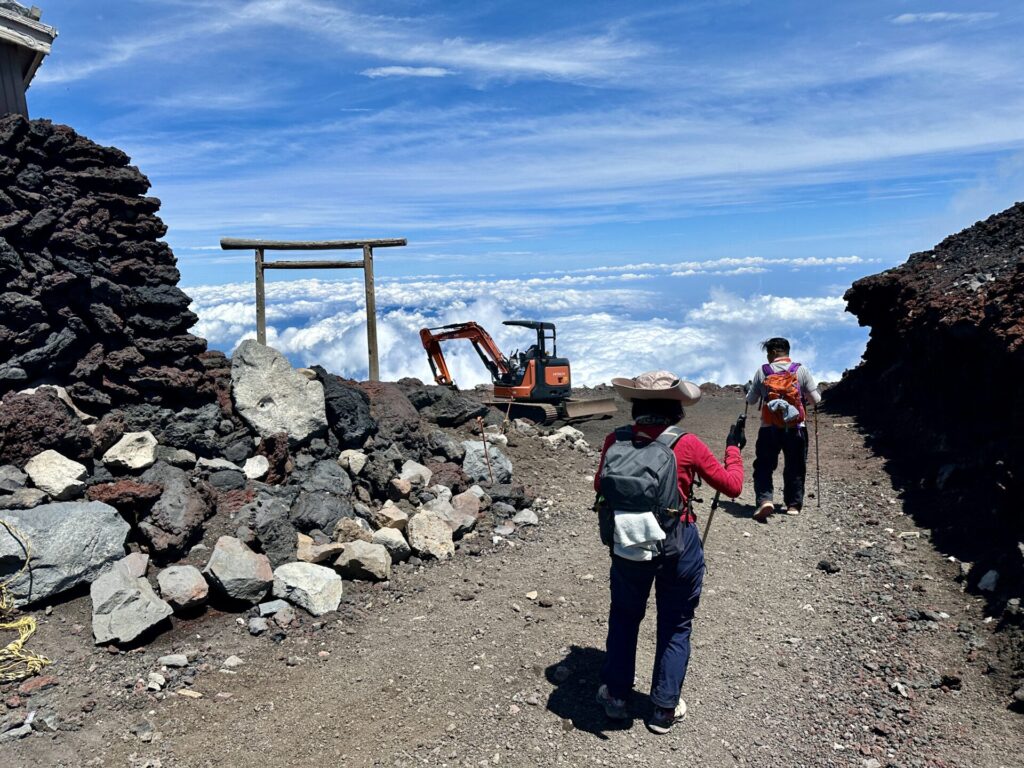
(883, 662)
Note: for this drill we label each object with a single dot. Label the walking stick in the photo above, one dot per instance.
(817, 454)
(734, 429)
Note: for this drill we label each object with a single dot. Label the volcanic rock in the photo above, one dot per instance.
(417, 475)
(377, 473)
(348, 410)
(394, 542)
(460, 521)
(962, 301)
(275, 449)
(430, 536)
(466, 504)
(130, 497)
(351, 529)
(441, 444)
(90, 297)
(327, 476)
(124, 607)
(272, 397)
(526, 517)
(398, 422)
(31, 424)
(71, 543)
(309, 551)
(134, 451)
(441, 405)
(390, 515)
(278, 538)
(475, 464)
(364, 560)
(449, 474)
(513, 494)
(56, 475)
(315, 588)
(23, 498)
(256, 467)
(352, 461)
(11, 479)
(177, 516)
(319, 510)
(237, 572)
(182, 586)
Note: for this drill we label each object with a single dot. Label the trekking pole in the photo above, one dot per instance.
(738, 426)
(817, 454)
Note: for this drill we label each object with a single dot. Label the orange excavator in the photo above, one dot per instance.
(534, 384)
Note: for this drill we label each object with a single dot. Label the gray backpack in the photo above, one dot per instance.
(640, 475)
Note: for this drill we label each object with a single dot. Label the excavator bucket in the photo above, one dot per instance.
(589, 409)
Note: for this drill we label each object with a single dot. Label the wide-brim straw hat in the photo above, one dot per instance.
(657, 385)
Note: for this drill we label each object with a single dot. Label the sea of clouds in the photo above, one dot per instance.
(611, 322)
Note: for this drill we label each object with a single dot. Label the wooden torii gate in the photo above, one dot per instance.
(366, 264)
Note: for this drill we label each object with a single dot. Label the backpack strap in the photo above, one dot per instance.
(767, 370)
(624, 434)
(671, 436)
(793, 367)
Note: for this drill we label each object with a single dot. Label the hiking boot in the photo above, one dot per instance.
(614, 708)
(792, 510)
(766, 510)
(662, 719)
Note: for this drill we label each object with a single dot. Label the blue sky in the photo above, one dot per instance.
(669, 184)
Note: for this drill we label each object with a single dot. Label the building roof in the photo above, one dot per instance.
(20, 27)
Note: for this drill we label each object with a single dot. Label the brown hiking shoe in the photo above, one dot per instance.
(766, 510)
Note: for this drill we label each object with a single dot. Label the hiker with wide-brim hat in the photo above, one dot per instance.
(644, 483)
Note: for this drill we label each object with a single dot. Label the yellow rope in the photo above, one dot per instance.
(15, 662)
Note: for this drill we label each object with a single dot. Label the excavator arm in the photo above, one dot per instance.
(481, 340)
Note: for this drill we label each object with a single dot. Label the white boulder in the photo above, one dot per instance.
(56, 475)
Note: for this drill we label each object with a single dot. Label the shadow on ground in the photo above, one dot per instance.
(576, 679)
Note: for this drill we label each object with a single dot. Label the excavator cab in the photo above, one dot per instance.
(536, 374)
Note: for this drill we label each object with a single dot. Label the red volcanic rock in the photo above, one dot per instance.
(31, 424)
(449, 474)
(275, 449)
(129, 497)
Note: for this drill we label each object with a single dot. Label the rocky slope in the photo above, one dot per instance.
(938, 391)
(163, 478)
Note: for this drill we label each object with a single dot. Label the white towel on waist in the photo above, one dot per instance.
(788, 411)
(637, 535)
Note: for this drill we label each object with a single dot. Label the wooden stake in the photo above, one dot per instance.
(261, 305)
(371, 313)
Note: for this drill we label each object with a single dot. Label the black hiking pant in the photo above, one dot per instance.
(792, 443)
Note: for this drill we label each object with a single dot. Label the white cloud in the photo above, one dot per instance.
(942, 16)
(428, 52)
(313, 321)
(407, 72)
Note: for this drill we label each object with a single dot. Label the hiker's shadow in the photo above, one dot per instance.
(736, 508)
(576, 679)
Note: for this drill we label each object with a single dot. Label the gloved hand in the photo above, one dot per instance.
(737, 436)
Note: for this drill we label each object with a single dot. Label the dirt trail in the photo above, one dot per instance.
(454, 664)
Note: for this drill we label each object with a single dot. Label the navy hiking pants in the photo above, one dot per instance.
(792, 443)
(677, 582)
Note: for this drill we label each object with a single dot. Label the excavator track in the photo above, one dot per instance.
(538, 413)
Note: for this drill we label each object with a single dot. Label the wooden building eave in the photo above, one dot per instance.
(25, 32)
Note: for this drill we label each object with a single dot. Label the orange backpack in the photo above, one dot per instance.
(782, 385)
